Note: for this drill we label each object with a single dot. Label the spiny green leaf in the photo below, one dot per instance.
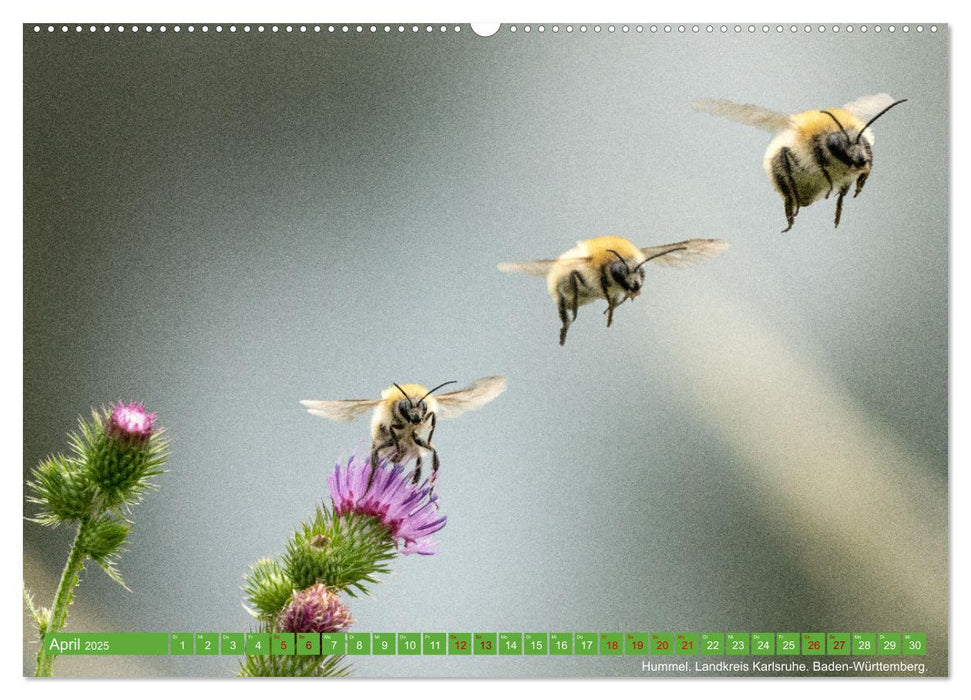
(103, 540)
(40, 615)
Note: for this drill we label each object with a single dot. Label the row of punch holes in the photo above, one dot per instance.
(512, 28)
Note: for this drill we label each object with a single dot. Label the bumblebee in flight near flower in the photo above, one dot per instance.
(403, 419)
(814, 153)
(609, 268)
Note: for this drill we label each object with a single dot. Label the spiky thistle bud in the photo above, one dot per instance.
(268, 588)
(62, 489)
(131, 423)
(342, 552)
(122, 452)
(314, 609)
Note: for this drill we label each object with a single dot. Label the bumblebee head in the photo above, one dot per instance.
(854, 153)
(414, 411)
(629, 279)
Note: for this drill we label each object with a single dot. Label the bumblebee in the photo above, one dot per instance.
(609, 268)
(403, 420)
(813, 153)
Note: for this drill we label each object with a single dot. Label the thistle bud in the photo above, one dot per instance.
(123, 453)
(131, 423)
(315, 609)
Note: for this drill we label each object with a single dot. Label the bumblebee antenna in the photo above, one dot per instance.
(879, 114)
(626, 266)
(657, 255)
(431, 391)
(832, 116)
(404, 394)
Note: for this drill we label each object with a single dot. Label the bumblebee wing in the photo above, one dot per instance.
(470, 398)
(536, 268)
(753, 115)
(341, 411)
(869, 106)
(686, 252)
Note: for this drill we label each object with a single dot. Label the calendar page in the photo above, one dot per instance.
(392, 350)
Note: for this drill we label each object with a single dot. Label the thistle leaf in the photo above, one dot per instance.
(39, 615)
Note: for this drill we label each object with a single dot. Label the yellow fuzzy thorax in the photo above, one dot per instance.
(415, 391)
(814, 122)
(598, 249)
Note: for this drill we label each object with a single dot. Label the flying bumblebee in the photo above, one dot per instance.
(814, 153)
(609, 268)
(403, 419)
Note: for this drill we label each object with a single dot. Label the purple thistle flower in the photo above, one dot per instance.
(410, 512)
(314, 609)
(132, 422)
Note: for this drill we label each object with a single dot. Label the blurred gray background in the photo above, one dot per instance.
(223, 224)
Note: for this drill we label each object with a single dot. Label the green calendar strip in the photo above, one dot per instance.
(489, 643)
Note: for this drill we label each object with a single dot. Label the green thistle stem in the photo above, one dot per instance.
(70, 578)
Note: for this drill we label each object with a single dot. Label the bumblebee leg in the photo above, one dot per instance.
(622, 300)
(839, 205)
(860, 181)
(576, 279)
(426, 444)
(416, 476)
(829, 180)
(605, 288)
(819, 155)
(792, 200)
(376, 448)
(564, 318)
